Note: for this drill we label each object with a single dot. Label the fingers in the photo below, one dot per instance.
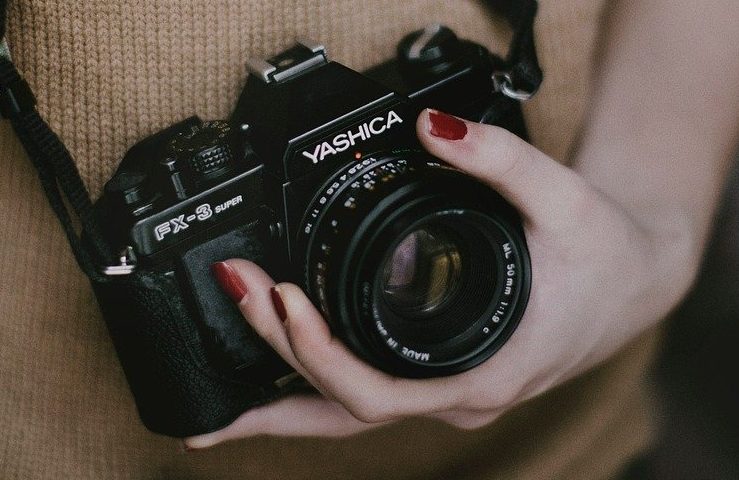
(369, 394)
(539, 187)
(314, 416)
(357, 397)
(288, 321)
(249, 287)
(295, 416)
(466, 419)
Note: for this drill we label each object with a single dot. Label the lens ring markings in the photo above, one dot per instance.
(332, 222)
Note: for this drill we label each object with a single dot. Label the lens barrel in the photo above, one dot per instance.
(420, 269)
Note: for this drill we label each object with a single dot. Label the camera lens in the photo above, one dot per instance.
(422, 273)
(420, 269)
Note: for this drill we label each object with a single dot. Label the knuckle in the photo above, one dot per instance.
(582, 201)
(525, 387)
(503, 396)
(504, 155)
(470, 423)
(468, 420)
(509, 168)
(370, 412)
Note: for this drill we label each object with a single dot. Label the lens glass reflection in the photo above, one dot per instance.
(423, 273)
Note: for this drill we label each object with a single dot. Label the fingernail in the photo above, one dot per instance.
(279, 304)
(229, 281)
(445, 126)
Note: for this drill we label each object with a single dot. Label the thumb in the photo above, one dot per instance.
(536, 185)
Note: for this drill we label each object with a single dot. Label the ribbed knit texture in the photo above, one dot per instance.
(107, 73)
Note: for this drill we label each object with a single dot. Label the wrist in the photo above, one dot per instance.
(676, 244)
(675, 233)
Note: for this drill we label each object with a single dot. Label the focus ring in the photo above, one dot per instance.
(337, 210)
(361, 213)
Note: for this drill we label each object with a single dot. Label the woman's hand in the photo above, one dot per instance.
(599, 278)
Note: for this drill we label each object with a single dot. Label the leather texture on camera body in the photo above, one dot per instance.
(178, 389)
(231, 345)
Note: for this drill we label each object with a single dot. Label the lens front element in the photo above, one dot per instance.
(422, 273)
(418, 268)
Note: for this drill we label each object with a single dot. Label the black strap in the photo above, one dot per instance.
(56, 169)
(3, 16)
(523, 64)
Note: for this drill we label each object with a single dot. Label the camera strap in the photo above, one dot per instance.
(61, 180)
(56, 169)
(523, 76)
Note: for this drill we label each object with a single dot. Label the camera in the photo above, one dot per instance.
(319, 178)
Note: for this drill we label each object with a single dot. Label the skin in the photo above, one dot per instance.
(615, 240)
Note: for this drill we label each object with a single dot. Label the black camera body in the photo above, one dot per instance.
(319, 178)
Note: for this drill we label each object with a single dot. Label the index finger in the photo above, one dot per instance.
(368, 393)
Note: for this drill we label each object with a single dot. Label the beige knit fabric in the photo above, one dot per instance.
(108, 73)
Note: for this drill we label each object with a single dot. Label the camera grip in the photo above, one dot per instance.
(177, 392)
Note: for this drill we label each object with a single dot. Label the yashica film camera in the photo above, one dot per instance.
(319, 178)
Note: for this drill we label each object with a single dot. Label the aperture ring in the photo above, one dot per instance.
(339, 225)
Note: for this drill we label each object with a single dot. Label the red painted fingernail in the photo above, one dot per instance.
(279, 305)
(229, 281)
(445, 126)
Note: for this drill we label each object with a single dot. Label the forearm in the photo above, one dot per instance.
(665, 111)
